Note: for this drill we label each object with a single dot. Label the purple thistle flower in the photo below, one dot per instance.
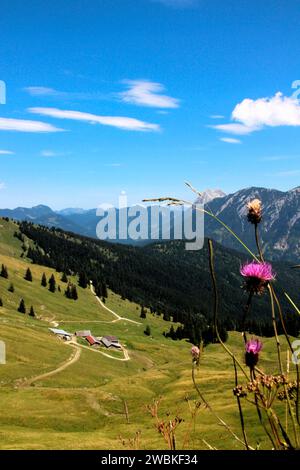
(253, 348)
(262, 271)
(257, 276)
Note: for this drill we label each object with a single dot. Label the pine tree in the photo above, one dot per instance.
(4, 272)
(104, 290)
(83, 280)
(143, 313)
(22, 308)
(32, 313)
(64, 277)
(74, 292)
(68, 291)
(11, 288)
(147, 331)
(1, 303)
(44, 280)
(28, 275)
(52, 284)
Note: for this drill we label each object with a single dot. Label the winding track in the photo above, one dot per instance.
(68, 362)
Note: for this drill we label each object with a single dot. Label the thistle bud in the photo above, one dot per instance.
(254, 211)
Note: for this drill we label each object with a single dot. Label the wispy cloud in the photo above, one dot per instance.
(2, 185)
(147, 93)
(178, 3)
(22, 125)
(52, 153)
(230, 140)
(286, 173)
(6, 152)
(254, 115)
(120, 122)
(41, 91)
(217, 116)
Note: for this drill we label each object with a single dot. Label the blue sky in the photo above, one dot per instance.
(141, 95)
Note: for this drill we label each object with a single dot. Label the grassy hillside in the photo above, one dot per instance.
(82, 405)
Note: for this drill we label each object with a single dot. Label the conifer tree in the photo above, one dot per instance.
(32, 313)
(1, 302)
(4, 272)
(143, 313)
(52, 284)
(28, 275)
(44, 280)
(64, 277)
(104, 290)
(74, 294)
(11, 288)
(22, 308)
(83, 280)
(147, 331)
(68, 291)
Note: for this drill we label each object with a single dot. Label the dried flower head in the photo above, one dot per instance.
(195, 352)
(239, 391)
(257, 275)
(254, 211)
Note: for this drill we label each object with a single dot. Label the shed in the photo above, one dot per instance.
(59, 332)
(109, 344)
(111, 339)
(91, 340)
(83, 333)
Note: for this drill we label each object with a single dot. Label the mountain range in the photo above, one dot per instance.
(280, 226)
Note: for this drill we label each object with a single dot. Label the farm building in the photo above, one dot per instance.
(61, 333)
(108, 343)
(83, 333)
(91, 340)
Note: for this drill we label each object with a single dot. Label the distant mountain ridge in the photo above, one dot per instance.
(280, 226)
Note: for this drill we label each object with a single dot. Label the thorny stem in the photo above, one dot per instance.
(240, 407)
(246, 312)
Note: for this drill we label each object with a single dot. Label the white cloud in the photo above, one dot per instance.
(254, 115)
(22, 125)
(51, 153)
(217, 116)
(238, 129)
(2, 185)
(120, 122)
(41, 91)
(6, 152)
(146, 93)
(230, 140)
(37, 91)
